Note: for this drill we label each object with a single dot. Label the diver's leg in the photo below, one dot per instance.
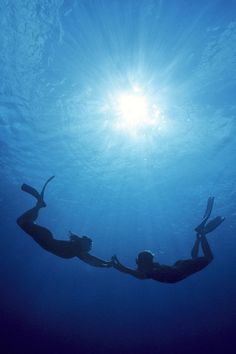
(206, 248)
(29, 216)
(26, 221)
(40, 234)
(195, 248)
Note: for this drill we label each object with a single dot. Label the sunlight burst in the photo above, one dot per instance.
(134, 112)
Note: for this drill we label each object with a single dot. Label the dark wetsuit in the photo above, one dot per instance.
(171, 274)
(61, 248)
(41, 235)
(179, 271)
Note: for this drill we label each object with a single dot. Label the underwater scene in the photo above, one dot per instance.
(118, 176)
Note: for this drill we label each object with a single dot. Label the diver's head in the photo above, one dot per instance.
(85, 244)
(144, 261)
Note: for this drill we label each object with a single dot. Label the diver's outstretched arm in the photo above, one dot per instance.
(117, 265)
(95, 261)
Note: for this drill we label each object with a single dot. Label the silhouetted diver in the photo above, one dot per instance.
(147, 269)
(77, 246)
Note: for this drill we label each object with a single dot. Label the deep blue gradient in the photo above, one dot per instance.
(62, 64)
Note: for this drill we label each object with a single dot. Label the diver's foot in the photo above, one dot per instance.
(200, 228)
(41, 203)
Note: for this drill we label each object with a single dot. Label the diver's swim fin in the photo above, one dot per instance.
(28, 189)
(213, 224)
(209, 207)
(45, 185)
(200, 228)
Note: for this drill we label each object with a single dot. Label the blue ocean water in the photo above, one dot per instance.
(131, 185)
